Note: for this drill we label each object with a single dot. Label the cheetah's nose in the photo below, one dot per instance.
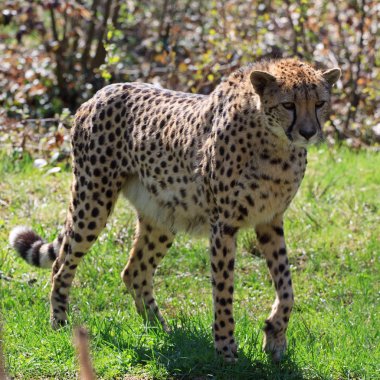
(307, 132)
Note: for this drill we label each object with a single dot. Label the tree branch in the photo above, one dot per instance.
(90, 36)
(101, 53)
(355, 97)
(53, 24)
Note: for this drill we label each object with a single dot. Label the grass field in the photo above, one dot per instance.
(332, 228)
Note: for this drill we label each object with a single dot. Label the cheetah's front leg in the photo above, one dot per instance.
(223, 246)
(272, 244)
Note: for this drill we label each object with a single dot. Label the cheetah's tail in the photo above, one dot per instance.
(32, 248)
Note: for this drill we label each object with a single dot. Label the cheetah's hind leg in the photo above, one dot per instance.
(87, 216)
(149, 247)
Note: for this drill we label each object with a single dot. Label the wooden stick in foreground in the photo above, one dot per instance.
(86, 371)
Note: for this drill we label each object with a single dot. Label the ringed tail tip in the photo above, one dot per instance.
(31, 247)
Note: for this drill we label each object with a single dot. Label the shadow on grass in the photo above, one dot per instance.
(188, 353)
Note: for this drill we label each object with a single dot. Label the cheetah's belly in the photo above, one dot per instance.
(161, 209)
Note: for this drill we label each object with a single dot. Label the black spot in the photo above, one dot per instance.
(279, 231)
(93, 159)
(264, 238)
(243, 210)
(91, 225)
(109, 151)
(264, 156)
(229, 230)
(268, 326)
(250, 200)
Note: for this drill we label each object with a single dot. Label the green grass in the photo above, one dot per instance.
(332, 232)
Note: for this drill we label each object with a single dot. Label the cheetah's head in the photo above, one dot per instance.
(295, 99)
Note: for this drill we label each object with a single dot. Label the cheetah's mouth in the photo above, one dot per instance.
(303, 143)
(297, 139)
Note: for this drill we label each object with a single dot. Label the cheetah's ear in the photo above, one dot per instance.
(331, 76)
(260, 80)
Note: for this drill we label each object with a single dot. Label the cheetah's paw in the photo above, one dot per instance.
(275, 346)
(228, 351)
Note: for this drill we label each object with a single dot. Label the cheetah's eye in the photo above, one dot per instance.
(320, 104)
(289, 106)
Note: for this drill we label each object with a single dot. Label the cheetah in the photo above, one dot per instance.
(205, 164)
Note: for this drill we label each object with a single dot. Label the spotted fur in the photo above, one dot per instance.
(202, 164)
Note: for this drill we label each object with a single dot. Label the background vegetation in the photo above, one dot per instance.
(56, 54)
